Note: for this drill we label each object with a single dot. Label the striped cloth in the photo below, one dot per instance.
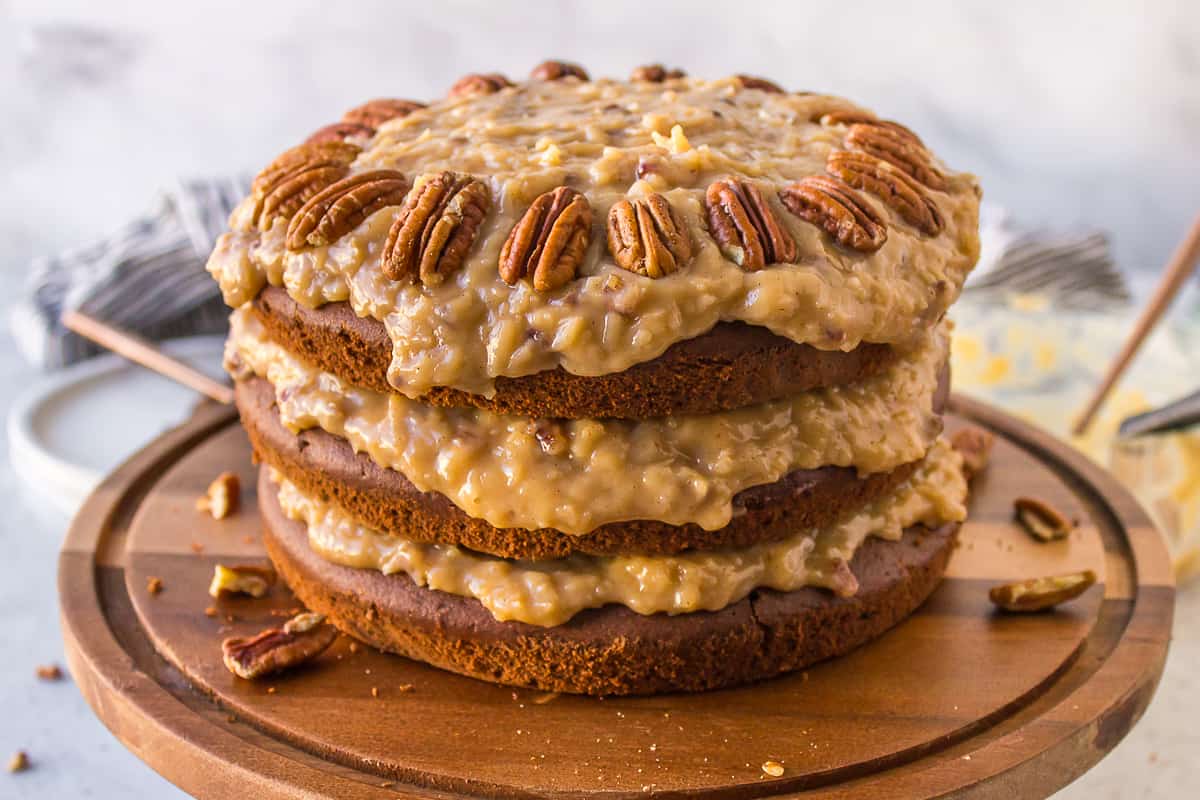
(147, 277)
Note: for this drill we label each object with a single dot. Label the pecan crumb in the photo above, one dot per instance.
(248, 579)
(543, 699)
(975, 446)
(404, 688)
(211, 611)
(19, 761)
(374, 691)
(221, 499)
(772, 768)
(49, 672)
(354, 647)
(197, 548)
(154, 585)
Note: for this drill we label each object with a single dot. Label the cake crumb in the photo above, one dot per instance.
(374, 691)
(19, 761)
(49, 672)
(210, 611)
(404, 688)
(548, 697)
(154, 585)
(773, 768)
(270, 690)
(197, 548)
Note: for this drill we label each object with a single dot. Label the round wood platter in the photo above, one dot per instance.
(957, 701)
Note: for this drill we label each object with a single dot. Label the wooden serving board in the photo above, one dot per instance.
(958, 701)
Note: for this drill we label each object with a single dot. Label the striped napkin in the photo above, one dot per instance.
(149, 276)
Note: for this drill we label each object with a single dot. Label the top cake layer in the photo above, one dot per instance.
(590, 225)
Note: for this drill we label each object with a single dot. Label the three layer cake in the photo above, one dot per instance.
(604, 386)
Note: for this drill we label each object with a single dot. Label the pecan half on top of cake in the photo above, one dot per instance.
(745, 226)
(648, 236)
(837, 209)
(436, 228)
(548, 243)
(343, 206)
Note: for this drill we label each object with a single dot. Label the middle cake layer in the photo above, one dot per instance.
(574, 476)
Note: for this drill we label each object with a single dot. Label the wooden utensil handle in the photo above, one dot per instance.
(142, 352)
(1183, 260)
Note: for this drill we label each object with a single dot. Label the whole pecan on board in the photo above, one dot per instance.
(1041, 520)
(342, 207)
(655, 73)
(899, 148)
(302, 638)
(548, 243)
(294, 177)
(436, 228)
(374, 113)
(745, 226)
(647, 236)
(249, 579)
(1039, 594)
(477, 83)
(754, 82)
(834, 207)
(556, 70)
(338, 131)
(897, 190)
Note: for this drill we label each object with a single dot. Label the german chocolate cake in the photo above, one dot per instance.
(608, 387)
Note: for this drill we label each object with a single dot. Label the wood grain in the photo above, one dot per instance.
(957, 701)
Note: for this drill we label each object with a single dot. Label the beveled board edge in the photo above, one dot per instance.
(1051, 742)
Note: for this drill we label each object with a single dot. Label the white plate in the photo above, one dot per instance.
(71, 429)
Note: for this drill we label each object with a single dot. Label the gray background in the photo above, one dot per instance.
(1073, 114)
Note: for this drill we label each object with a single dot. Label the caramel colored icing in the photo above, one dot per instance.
(576, 475)
(611, 140)
(551, 592)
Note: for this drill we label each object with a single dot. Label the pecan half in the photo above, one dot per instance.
(436, 228)
(753, 82)
(248, 579)
(867, 118)
(337, 131)
(897, 190)
(556, 70)
(647, 236)
(300, 172)
(222, 496)
(834, 207)
(655, 73)
(1041, 520)
(745, 226)
(374, 113)
(1038, 594)
(342, 207)
(975, 446)
(301, 639)
(899, 148)
(477, 83)
(548, 243)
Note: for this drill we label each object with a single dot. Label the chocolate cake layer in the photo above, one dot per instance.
(324, 465)
(731, 366)
(613, 650)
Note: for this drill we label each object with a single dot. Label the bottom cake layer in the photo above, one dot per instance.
(613, 650)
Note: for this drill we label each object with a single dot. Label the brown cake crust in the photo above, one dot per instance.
(324, 465)
(731, 366)
(613, 650)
